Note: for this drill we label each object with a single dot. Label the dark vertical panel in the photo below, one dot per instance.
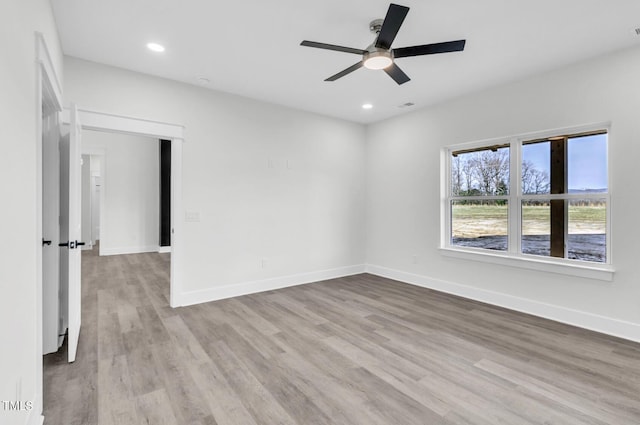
(165, 192)
(558, 186)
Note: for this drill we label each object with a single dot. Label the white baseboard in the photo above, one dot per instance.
(128, 250)
(164, 249)
(36, 419)
(245, 288)
(35, 415)
(581, 319)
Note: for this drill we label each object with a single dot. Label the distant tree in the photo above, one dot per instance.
(486, 172)
(540, 182)
(527, 176)
(491, 170)
(467, 170)
(456, 175)
(534, 181)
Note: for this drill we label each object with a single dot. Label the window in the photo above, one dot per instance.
(480, 197)
(544, 197)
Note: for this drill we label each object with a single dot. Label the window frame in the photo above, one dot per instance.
(513, 255)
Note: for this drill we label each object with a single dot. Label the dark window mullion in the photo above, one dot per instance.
(558, 181)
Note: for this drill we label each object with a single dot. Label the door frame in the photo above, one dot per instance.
(48, 92)
(114, 123)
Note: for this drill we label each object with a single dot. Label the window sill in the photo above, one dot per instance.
(591, 271)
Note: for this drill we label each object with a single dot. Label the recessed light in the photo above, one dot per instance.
(155, 47)
(367, 106)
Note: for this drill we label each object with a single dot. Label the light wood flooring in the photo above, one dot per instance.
(357, 350)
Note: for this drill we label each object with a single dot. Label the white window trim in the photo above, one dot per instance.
(513, 256)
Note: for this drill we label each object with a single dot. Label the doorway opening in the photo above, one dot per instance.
(123, 183)
(109, 124)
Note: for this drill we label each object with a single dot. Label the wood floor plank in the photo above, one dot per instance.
(186, 400)
(552, 392)
(155, 408)
(391, 375)
(359, 350)
(192, 351)
(115, 391)
(144, 373)
(224, 403)
(262, 405)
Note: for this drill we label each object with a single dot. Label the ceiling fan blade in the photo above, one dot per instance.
(397, 74)
(333, 47)
(345, 72)
(391, 25)
(429, 49)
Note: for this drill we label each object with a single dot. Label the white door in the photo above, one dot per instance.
(51, 322)
(71, 229)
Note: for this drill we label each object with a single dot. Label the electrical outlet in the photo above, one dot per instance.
(414, 259)
(263, 263)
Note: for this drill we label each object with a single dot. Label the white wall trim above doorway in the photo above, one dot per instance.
(101, 121)
(104, 121)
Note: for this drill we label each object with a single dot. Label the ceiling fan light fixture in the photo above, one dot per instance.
(380, 59)
(380, 55)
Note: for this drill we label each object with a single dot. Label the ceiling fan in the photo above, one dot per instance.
(380, 55)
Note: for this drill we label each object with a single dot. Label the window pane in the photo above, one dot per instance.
(587, 164)
(536, 228)
(536, 160)
(479, 224)
(588, 230)
(480, 172)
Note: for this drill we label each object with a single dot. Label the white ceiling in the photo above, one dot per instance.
(251, 47)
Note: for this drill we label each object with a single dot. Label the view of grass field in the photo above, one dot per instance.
(472, 221)
(485, 226)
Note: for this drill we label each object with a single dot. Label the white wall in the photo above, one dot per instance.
(300, 219)
(86, 200)
(20, 358)
(96, 184)
(403, 195)
(131, 185)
